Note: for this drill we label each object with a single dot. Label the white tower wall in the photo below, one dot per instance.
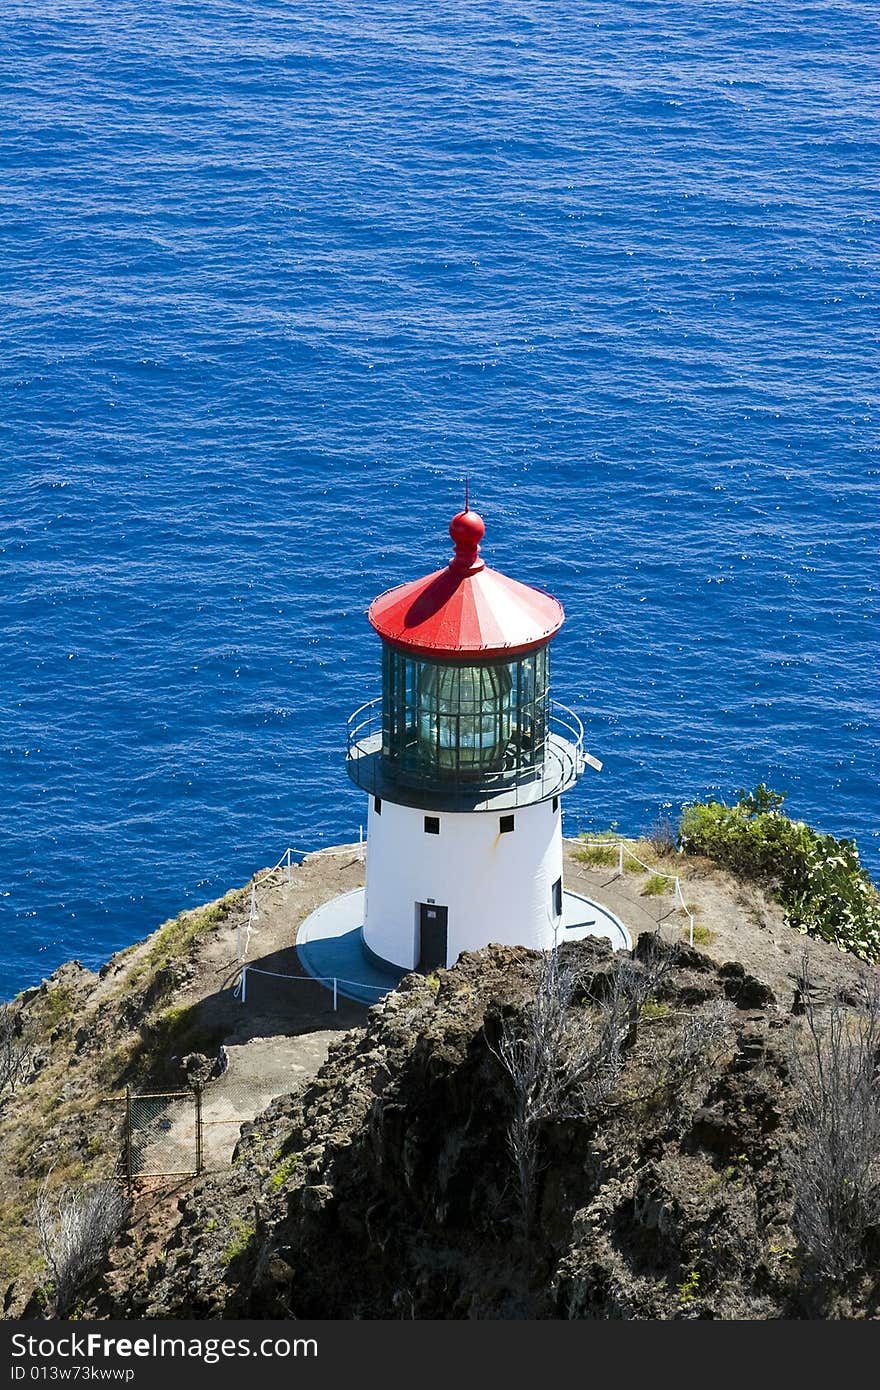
(496, 887)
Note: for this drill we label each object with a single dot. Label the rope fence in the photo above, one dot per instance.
(623, 850)
(286, 862)
(331, 981)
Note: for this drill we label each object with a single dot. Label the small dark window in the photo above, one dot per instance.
(432, 825)
(506, 824)
(556, 803)
(377, 805)
(557, 898)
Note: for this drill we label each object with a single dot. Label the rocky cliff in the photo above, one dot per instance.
(666, 1173)
(386, 1188)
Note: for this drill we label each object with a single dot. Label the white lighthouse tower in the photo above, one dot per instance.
(465, 758)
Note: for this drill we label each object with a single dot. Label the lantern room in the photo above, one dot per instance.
(465, 719)
(447, 724)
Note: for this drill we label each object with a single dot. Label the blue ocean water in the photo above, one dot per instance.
(277, 276)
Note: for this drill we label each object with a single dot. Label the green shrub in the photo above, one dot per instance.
(242, 1232)
(817, 879)
(655, 885)
(170, 1020)
(57, 1007)
(689, 1288)
(654, 1009)
(282, 1175)
(596, 856)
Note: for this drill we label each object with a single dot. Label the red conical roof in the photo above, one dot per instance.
(466, 609)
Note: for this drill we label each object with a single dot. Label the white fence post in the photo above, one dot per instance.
(244, 984)
(685, 909)
(334, 993)
(620, 862)
(288, 864)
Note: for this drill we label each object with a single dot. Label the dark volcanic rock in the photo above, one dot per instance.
(744, 989)
(385, 1188)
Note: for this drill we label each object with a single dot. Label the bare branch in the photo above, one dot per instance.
(561, 1062)
(564, 1061)
(697, 1044)
(76, 1226)
(835, 1162)
(16, 1050)
(663, 835)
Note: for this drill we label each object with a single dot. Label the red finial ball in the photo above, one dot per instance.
(467, 529)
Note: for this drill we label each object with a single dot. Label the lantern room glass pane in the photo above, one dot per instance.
(464, 715)
(478, 722)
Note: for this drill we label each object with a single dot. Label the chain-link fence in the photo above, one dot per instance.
(170, 1134)
(227, 1103)
(163, 1134)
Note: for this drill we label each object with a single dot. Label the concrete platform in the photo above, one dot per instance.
(330, 945)
(583, 917)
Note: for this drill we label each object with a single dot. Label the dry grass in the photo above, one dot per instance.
(175, 937)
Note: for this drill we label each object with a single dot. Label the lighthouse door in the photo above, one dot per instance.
(432, 936)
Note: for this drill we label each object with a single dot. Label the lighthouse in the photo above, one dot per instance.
(465, 758)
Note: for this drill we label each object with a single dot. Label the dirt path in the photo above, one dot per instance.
(735, 921)
(268, 1044)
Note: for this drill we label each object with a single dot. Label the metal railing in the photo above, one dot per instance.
(563, 761)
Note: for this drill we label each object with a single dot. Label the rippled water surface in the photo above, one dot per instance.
(276, 276)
